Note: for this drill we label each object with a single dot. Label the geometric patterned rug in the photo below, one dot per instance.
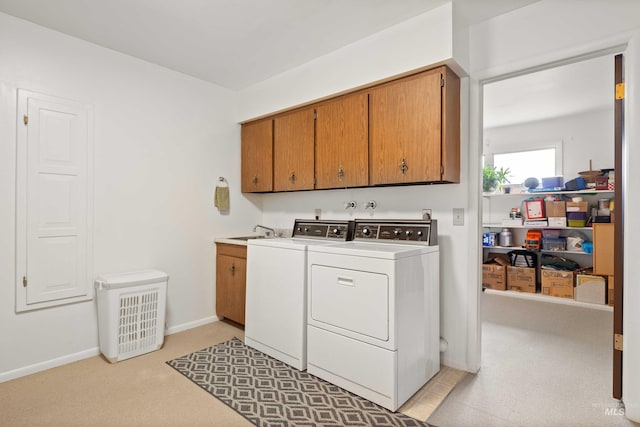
(270, 393)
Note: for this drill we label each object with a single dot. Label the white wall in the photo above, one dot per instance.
(161, 141)
(586, 136)
(417, 43)
(549, 31)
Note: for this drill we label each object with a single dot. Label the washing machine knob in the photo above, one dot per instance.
(408, 233)
(396, 232)
(336, 231)
(366, 231)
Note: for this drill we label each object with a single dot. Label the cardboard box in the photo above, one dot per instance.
(494, 276)
(577, 206)
(555, 209)
(590, 288)
(494, 271)
(521, 279)
(557, 283)
(557, 221)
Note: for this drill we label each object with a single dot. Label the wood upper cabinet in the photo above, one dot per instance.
(257, 156)
(414, 126)
(342, 150)
(293, 150)
(231, 281)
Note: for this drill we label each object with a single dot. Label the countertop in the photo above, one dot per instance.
(237, 240)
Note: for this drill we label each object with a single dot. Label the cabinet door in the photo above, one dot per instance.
(603, 249)
(231, 287)
(257, 156)
(405, 130)
(293, 146)
(342, 150)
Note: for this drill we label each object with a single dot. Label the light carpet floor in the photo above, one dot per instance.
(145, 391)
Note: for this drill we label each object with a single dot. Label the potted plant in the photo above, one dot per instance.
(493, 179)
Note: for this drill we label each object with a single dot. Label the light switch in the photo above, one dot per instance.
(458, 216)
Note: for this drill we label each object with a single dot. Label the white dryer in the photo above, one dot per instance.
(373, 310)
(275, 313)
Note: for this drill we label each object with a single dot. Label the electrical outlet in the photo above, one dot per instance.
(458, 216)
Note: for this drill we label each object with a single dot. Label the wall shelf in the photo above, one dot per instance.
(544, 193)
(549, 299)
(535, 227)
(543, 251)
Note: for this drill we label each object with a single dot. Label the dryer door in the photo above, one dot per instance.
(352, 300)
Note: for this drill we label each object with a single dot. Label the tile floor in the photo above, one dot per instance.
(542, 365)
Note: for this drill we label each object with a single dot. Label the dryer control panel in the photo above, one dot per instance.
(418, 231)
(320, 229)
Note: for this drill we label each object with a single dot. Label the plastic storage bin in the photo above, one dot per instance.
(131, 313)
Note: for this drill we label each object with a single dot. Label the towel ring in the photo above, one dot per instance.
(223, 180)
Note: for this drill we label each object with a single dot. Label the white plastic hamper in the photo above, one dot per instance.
(131, 313)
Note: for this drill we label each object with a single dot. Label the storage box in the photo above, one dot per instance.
(557, 283)
(555, 209)
(494, 276)
(553, 182)
(610, 292)
(494, 271)
(590, 288)
(557, 221)
(521, 279)
(554, 244)
(577, 206)
(511, 222)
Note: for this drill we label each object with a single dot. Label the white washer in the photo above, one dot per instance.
(275, 313)
(373, 311)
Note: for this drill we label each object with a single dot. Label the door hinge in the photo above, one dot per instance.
(24, 281)
(617, 342)
(619, 91)
(25, 119)
(441, 80)
(315, 115)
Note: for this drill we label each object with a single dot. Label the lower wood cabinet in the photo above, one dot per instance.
(231, 280)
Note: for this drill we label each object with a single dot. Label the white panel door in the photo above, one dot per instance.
(54, 201)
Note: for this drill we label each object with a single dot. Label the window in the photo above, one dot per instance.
(537, 163)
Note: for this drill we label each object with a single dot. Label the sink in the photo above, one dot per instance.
(245, 238)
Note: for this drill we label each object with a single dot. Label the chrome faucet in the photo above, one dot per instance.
(268, 231)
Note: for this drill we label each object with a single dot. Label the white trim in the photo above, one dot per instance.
(190, 325)
(48, 364)
(91, 352)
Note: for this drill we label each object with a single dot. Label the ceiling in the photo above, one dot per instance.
(566, 90)
(238, 43)
(234, 43)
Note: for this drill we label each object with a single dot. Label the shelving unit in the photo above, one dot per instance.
(497, 208)
(546, 298)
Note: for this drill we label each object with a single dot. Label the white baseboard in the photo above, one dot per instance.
(189, 325)
(48, 364)
(63, 360)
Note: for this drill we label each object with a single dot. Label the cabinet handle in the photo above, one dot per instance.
(233, 269)
(403, 166)
(255, 180)
(340, 173)
(292, 177)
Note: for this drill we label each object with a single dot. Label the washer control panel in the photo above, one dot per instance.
(418, 231)
(319, 229)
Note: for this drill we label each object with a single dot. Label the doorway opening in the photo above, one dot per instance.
(539, 346)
